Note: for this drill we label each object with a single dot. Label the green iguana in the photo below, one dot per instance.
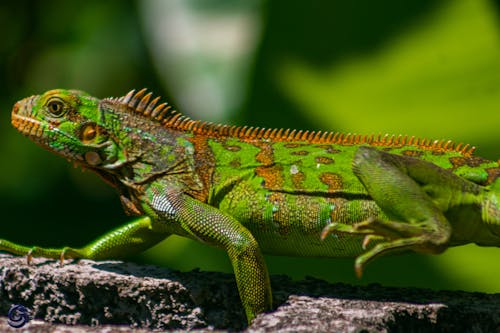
(250, 190)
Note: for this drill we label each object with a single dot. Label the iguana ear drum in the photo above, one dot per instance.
(88, 132)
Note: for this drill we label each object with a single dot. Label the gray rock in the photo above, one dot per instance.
(108, 294)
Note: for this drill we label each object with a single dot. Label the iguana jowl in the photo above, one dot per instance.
(251, 191)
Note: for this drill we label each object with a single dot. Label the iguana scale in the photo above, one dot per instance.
(250, 191)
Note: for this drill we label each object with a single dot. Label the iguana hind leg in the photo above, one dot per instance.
(399, 186)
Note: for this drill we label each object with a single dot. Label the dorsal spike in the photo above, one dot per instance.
(178, 122)
(158, 109)
(143, 103)
(220, 130)
(197, 126)
(171, 121)
(125, 99)
(227, 130)
(136, 98)
(187, 124)
(151, 106)
(352, 139)
(347, 138)
(243, 131)
(324, 136)
(465, 148)
(398, 139)
(249, 132)
(232, 130)
(163, 113)
(340, 137)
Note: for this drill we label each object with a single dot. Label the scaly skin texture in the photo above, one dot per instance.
(250, 191)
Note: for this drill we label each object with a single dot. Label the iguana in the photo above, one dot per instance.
(250, 190)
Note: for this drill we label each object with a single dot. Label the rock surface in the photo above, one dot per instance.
(115, 295)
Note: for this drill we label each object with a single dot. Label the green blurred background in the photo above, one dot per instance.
(419, 67)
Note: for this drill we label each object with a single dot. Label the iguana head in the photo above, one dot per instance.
(128, 139)
(68, 123)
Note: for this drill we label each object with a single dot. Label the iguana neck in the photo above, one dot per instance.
(162, 156)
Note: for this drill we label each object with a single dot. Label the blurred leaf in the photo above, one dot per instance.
(470, 267)
(438, 78)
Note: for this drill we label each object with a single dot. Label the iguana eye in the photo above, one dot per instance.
(89, 132)
(56, 107)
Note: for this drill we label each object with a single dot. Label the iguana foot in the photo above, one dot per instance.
(374, 227)
(388, 236)
(36, 251)
(61, 254)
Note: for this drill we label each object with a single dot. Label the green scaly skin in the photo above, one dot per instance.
(250, 191)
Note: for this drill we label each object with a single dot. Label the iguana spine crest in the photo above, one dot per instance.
(140, 102)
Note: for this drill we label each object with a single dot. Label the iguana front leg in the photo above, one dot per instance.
(413, 194)
(130, 238)
(209, 225)
(184, 215)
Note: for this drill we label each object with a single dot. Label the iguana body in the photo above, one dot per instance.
(251, 191)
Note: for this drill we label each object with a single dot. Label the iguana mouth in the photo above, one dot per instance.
(24, 124)
(27, 126)
(35, 129)
(37, 132)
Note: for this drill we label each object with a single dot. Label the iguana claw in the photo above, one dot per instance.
(362, 228)
(29, 256)
(61, 257)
